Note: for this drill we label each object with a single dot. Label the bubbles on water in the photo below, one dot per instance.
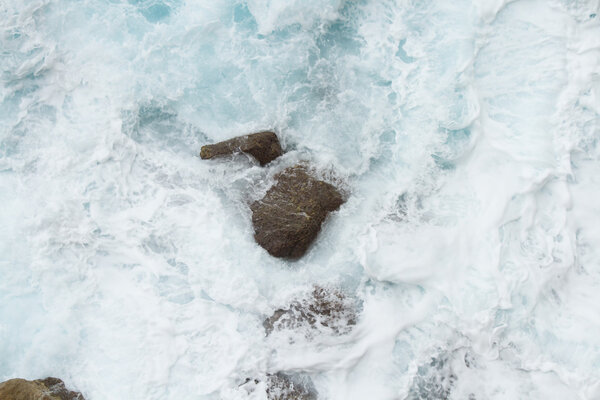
(156, 124)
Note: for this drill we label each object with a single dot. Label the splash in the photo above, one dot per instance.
(466, 134)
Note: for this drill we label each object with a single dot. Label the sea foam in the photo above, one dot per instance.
(464, 132)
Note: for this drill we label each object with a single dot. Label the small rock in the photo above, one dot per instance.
(264, 146)
(434, 379)
(325, 309)
(289, 217)
(283, 386)
(41, 389)
(288, 387)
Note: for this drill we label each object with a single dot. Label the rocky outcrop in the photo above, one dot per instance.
(325, 309)
(41, 389)
(264, 146)
(289, 217)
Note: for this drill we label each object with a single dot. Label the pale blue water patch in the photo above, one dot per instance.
(154, 10)
(402, 53)
(16, 321)
(244, 19)
(457, 143)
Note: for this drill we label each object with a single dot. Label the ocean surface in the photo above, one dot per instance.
(464, 133)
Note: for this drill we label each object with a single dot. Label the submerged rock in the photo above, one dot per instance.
(289, 217)
(264, 146)
(325, 309)
(290, 387)
(281, 386)
(41, 389)
(434, 380)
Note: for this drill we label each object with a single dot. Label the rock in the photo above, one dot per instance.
(325, 309)
(283, 386)
(289, 387)
(434, 379)
(41, 389)
(289, 217)
(264, 146)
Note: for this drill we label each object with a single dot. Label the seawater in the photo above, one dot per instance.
(464, 132)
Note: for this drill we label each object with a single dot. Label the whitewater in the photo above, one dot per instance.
(465, 134)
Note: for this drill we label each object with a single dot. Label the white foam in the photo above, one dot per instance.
(465, 134)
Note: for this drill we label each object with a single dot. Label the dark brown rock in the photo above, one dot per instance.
(289, 217)
(264, 146)
(41, 389)
(325, 308)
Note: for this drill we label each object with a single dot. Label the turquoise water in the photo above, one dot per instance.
(465, 134)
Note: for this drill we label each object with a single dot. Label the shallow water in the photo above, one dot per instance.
(465, 134)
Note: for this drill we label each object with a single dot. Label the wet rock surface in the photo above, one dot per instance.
(41, 389)
(264, 146)
(434, 380)
(325, 309)
(289, 217)
(282, 386)
(288, 387)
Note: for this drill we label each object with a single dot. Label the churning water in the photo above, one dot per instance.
(465, 132)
